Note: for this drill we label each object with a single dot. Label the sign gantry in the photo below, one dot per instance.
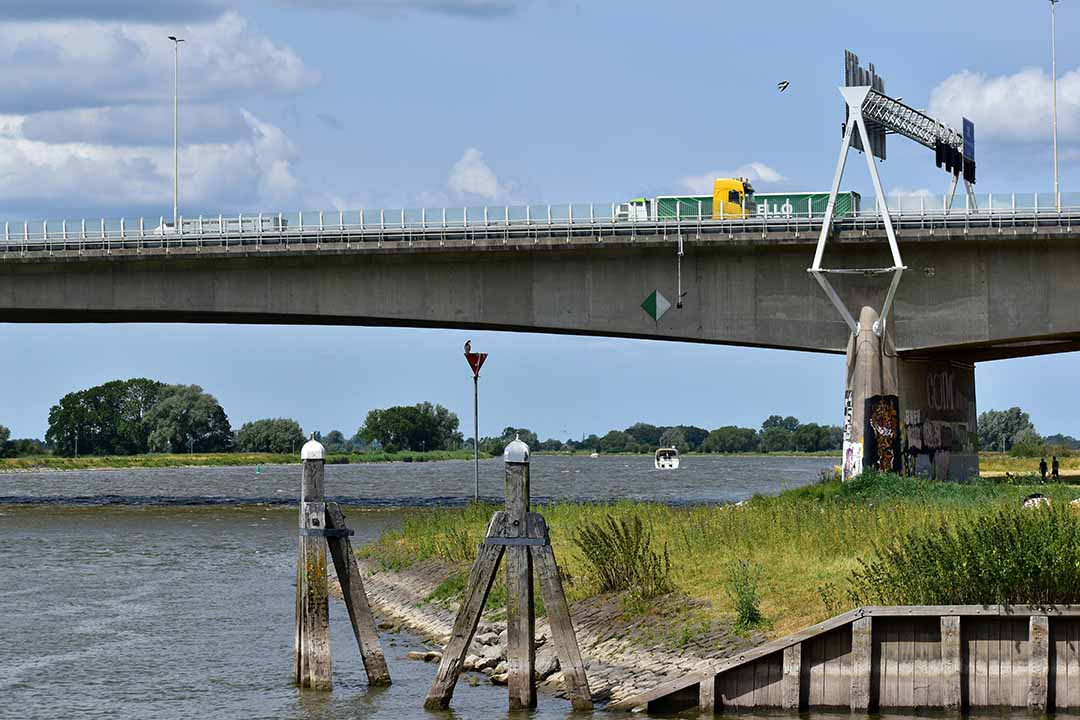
(871, 116)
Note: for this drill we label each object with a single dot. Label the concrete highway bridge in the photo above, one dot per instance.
(984, 285)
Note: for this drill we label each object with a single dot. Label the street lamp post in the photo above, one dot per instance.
(1053, 92)
(176, 134)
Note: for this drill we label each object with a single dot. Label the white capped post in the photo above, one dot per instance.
(176, 132)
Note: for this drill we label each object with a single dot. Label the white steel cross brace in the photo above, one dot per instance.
(855, 97)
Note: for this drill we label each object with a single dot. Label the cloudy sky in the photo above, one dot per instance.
(342, 104)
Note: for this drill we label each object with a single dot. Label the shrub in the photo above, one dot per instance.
(619, 556)
(1027, 443)
(742, 588)
(1012, 556)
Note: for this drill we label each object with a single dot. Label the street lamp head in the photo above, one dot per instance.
(176, 39)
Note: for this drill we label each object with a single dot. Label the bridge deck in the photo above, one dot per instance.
(256, 235)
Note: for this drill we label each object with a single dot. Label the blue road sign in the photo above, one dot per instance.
(969, 140)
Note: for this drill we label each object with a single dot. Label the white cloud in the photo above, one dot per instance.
(1009, 108)
(470, 8)
(755, 172)
(472, 176)
(253, 170)
(137, 124)
(907, 192)
(87, 64)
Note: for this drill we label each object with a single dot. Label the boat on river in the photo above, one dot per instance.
(666, 459)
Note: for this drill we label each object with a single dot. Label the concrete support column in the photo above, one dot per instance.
(937, 408)
(871, 371)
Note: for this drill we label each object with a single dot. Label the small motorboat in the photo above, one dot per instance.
(594, 454)
(667, 459)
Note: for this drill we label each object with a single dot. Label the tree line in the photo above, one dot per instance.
(129, 417)
(137, 416)
(777, 434)
(140, 415)
(1013, 432)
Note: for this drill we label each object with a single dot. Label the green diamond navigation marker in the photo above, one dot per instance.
(656, 305)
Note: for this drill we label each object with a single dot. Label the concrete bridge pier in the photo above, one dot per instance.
(935, 423)
(938, 414)
(871, 372)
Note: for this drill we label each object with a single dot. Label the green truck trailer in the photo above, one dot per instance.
(803, 204)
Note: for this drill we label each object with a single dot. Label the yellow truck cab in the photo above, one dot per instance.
(732, 198)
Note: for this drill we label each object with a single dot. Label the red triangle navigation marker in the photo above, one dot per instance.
(476, 361)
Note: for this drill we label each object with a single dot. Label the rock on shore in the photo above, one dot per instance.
(622, 658)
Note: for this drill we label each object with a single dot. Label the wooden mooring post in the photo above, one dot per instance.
(523, 537)
(319, 521)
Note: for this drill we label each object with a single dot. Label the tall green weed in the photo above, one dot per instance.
(1009, 556)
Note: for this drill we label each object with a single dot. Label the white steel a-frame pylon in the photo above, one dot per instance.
(855, 97)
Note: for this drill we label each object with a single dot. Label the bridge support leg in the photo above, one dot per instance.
(937, 404)
(871, 374)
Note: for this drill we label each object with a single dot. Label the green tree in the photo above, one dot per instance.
(185, 418)
(676, 438)
(496, 445)
(834, 437)
(1067, 442)
(998, 428)
(107, 419)
(789, 423)
(1028, 443)
(777, 439)
(335, 442)
(645, 434)
(412, 427)
(810, 437)
(5, 435)
(695, 436)
(278, 435)
(616, 441)
(731, 439)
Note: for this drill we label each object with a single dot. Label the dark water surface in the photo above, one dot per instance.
(170, 593)
(184, 613)
(709, 479)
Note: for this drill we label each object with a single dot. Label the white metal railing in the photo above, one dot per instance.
(996, 210)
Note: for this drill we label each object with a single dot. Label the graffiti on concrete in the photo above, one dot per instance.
(852, 460)
(881, 434)
(941, 424)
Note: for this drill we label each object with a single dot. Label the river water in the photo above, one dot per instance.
(702, 479)
(170, 593)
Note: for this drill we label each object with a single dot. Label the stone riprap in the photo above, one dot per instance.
(621, 656)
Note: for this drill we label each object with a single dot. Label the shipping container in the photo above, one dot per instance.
(805, 204)
(686, 207)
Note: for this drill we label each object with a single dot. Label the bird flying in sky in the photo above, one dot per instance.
(782, 85)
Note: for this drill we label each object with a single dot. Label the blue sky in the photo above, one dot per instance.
(340, 104)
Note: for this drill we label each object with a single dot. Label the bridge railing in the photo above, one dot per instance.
(921, 210)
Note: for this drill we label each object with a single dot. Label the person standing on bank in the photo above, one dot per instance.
(1055, 468)
(1042, 468)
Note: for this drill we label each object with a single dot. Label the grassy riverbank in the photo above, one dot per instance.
(806, 543)
(53, 462)
(996, 464)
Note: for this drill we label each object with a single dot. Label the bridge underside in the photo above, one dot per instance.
(970, 297)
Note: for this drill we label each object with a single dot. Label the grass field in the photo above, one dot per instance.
(53, 462)
(993, 464)
(806, 542)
